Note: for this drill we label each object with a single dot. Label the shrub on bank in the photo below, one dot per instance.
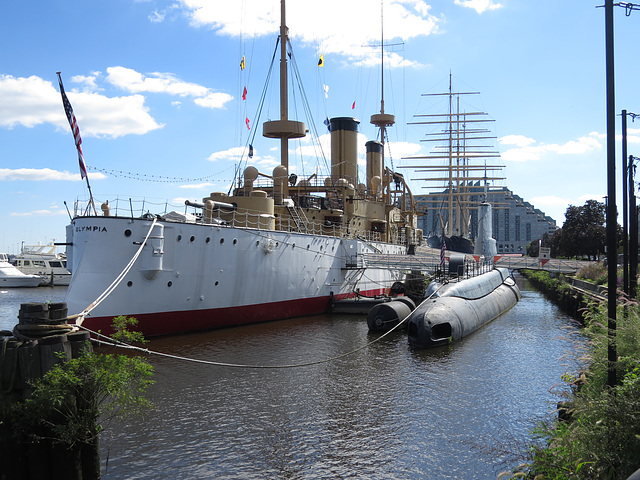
(598, 435)
(557, 290)
(595, 272)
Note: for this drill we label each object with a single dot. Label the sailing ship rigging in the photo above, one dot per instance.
(459, 168)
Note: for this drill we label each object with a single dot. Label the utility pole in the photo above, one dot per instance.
(612, 276)
(611, 194)
(625, 209)
(633, 227)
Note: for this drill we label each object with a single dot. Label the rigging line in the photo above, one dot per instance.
(294, 100)
(307, 108)
(149, 177)
(256, 120)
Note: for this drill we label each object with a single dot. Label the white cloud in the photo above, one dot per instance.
(197, 186)
(582, 199)
(156, 16)
(550, 201)
(479, 6)
(526, 151)
(39, 213)
(214, 100)
(89, 81)
(33, 101)
(403, 149)
(343, 34)
(156, 82)
(233, 154)
(180, 200)
(517, 140)
(633, 135)
(42, 174)
(29, 102)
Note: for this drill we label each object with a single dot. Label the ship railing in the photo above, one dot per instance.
(141, 207)
(125, 207)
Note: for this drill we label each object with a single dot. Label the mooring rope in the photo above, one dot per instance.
(80, 316)
(116, 343)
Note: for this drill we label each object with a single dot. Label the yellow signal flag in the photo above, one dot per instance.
(321, 61)
(242, 63)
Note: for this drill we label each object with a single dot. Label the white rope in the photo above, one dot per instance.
(115, 343)
(117, 281)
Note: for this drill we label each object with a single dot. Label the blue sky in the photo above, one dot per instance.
(156, 88)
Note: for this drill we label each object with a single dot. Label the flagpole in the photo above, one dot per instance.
(90, 197)
(68, 110)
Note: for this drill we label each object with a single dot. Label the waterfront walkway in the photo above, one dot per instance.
(428, 259)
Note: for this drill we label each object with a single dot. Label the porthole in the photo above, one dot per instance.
(216, 284)
(179, 237)
(235, 241)
(169, 284)
(258, 243)
(127, 233)
(207, 240)
(221, 241)
(192, 239)
(308, 246)
(129, 283)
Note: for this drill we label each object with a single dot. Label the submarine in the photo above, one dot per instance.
(453, 310)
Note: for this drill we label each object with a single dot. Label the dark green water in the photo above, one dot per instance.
(385, 412)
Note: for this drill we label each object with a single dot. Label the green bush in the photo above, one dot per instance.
(595, 273)
(599, 438)
(72, 397)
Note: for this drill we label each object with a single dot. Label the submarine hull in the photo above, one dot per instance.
(449, 318)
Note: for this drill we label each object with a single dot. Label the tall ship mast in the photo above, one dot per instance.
(461, 164)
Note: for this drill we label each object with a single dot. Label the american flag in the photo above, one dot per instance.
(74, 128)
(442, 249)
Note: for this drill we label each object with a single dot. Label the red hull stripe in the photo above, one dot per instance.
(168, 323)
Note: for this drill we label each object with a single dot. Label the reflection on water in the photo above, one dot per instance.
(387, 411)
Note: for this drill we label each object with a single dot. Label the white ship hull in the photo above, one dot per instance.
(192, 277)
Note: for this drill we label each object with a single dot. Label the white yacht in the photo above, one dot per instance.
(42, 260)
(10, 276)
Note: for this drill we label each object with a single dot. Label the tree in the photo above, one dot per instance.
(583, 232)
(533, 248)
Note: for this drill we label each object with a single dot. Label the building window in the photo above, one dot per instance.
(517, 228)
(506, 226)
(528, 234)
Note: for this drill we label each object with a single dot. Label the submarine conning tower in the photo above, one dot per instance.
(344, 149)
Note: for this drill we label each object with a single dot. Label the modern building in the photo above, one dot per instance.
(516, 223)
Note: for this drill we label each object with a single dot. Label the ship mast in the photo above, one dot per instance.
(284, 129)
(382, 120)
(460, 155)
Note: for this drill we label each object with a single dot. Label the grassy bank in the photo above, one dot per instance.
(597, 436)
